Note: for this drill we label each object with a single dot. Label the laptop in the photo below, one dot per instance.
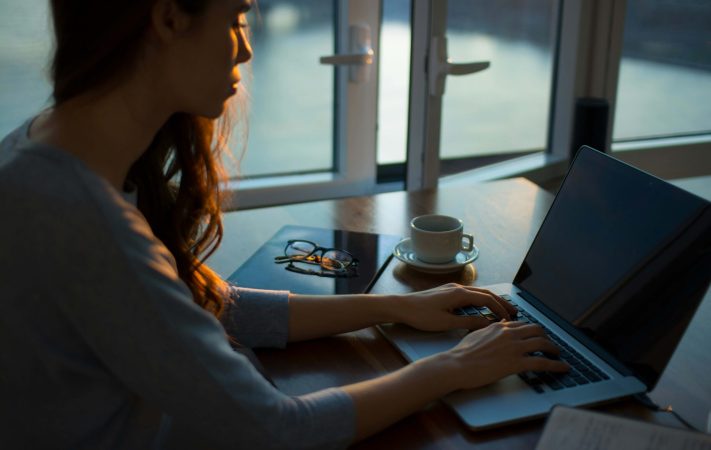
(614, 275)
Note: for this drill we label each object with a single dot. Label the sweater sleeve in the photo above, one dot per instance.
(131, 308)
(257, 318)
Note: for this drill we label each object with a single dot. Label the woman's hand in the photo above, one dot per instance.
(433, 309)
(314, 316)
(501, 349)
(482, 357)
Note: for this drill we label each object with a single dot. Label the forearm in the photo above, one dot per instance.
(317, 316)
(383, 401)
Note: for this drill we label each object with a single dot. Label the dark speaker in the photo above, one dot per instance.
(590, 125)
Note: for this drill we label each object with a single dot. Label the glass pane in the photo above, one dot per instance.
(290, 94)
(25, 42)
(665, 74)
(505, 108)
(394, 61)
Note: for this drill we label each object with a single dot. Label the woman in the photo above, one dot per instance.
(114, 333)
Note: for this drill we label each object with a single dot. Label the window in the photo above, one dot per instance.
(505, 108)
(320, 131)
(665, 73)
(24, 49)
(393, 91)
(649, 59)
(312, 129)
(485, 117)
(479, 118)
(291, 95)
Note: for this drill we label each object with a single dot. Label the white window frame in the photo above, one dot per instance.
(423, 155)
(587, 65)
(425, 116)
(354, 137)
(592, 36)
(587, 60)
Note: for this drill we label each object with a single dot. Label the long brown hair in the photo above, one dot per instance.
(178, 177)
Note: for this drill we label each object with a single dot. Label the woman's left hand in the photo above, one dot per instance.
(433, 309)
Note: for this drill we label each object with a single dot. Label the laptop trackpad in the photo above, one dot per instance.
(415, 344)
(506, 401)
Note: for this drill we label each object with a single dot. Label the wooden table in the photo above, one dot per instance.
(504, 216)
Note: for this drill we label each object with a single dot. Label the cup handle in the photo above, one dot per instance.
(470, 245)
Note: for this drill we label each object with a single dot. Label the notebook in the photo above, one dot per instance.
(614, 274)
(373, 251)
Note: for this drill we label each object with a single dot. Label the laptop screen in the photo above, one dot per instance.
(620, 256)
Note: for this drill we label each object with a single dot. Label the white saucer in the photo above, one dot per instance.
(403, 251)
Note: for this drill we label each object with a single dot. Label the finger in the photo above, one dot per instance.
(497, 308)
(471, 323)
(496, 304)
(541, 364)
(488, 299)
(529, 330)
(466, 297)
(539, 344)
(514, 323)
(508, 306)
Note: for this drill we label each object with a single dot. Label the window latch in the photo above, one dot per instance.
(360, 57)
(439, 66)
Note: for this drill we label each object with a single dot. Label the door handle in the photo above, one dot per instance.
(439, 66)
(349, 59)
(360, 58)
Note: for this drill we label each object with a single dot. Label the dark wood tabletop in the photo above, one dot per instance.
(504, 217)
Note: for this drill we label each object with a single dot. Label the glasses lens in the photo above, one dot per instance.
(336, 260)
(299, 249)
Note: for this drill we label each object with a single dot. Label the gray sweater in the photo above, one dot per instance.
(101, 345)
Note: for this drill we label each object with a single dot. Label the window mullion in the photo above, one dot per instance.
(357, 105)
(429, 19)
(587, 64)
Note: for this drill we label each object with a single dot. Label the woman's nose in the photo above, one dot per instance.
(244, 53)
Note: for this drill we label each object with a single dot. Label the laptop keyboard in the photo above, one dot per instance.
(581, 372)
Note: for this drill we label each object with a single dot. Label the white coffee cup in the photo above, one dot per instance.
(437, 239)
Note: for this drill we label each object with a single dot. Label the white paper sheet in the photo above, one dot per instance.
(570, 428)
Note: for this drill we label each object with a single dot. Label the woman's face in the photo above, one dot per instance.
(208, 55)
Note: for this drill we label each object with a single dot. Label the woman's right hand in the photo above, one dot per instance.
(501, 349)
(482, 357)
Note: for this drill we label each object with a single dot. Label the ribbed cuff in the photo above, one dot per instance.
(258, 318)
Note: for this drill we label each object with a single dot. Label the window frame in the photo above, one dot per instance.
(355, 112)
(586, 64)
(423, 156)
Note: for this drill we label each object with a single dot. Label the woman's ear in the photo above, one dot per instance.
(168, 20)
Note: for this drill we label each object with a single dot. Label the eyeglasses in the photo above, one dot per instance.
(336, 262)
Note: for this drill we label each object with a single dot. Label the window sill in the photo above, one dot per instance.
(287, 189)
(538, 167)
(667, 158)
(664, 142)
